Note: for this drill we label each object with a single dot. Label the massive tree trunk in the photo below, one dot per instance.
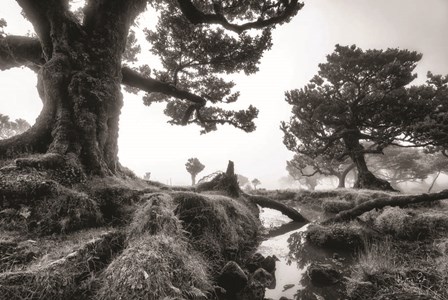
(366, 179)
(79, 83)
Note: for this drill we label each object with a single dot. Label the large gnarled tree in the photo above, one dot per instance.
(79, 59)
(357, 97)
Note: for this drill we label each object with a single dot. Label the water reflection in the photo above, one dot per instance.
(286, 241)
(287, 273)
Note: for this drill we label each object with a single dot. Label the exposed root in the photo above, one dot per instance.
(43, 206)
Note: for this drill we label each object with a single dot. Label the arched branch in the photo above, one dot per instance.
(286, 9)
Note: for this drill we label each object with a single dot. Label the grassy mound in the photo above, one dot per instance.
(155, 267)
(176, 244)
(158, 261)
(219, 227)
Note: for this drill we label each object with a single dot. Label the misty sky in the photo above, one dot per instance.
(148, 143)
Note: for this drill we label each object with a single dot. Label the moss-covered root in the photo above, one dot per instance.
(39, 205)
(158, 261)
(70, 277)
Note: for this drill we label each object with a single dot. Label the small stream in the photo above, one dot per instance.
(285, 241)
(288, 274)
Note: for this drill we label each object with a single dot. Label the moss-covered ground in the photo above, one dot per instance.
(115, 237)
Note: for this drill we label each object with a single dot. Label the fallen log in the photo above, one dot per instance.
(400, 201)
(284, 209)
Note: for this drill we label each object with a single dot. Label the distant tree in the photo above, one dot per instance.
(358, 96)
(242, 180)
(399, 165)
(306, 169)
(438, 163)
(194, 167)
(147, 176)
(256, 182)
(305, 174)
(10, 128)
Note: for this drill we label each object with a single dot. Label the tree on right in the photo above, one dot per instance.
(361, 98)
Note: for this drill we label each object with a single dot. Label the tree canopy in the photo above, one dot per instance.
(358, 97)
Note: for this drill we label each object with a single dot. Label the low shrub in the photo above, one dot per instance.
(348, 237)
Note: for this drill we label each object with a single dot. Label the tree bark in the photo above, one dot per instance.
(193, 179)
(366, 179)
(401, 201)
